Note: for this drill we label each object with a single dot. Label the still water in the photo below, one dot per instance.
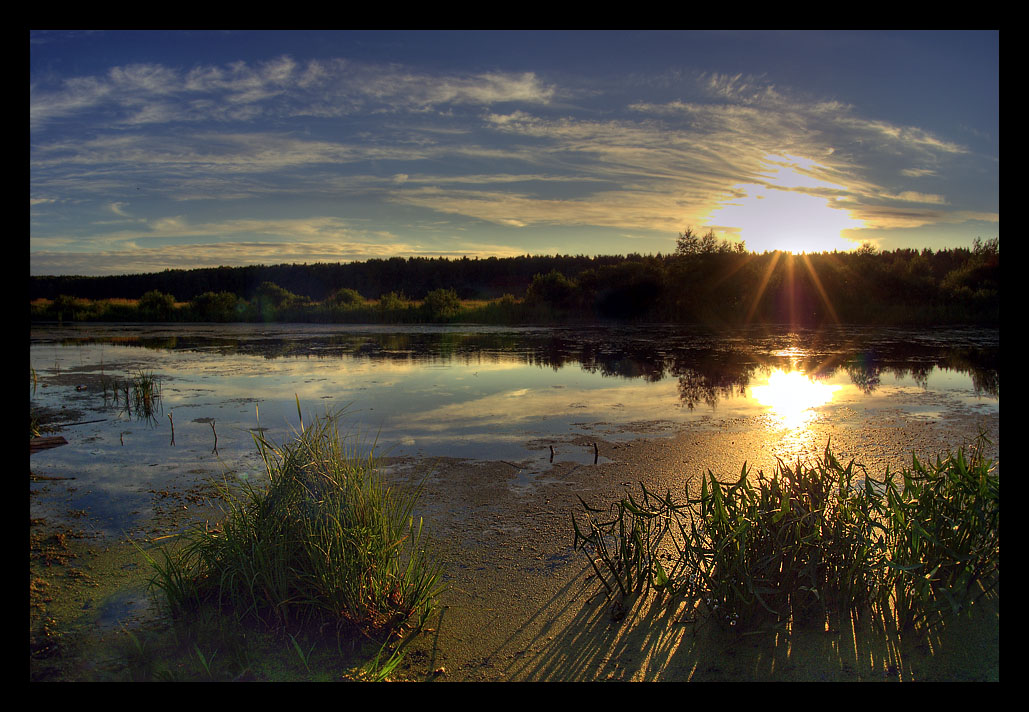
(495, 393)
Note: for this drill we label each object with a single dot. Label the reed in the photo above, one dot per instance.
(327, 540)
(146, 393)
(141, 394)
(809, 540)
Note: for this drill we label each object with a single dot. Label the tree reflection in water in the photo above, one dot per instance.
(709, 365)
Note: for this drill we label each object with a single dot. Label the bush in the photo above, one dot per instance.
(156, 306)
(552, 289)
(215, 306)
(345, 298)
(68, 307)
(391, 306)
(391, 301)
(441, 304)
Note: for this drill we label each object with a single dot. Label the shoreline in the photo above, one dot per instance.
(520, 604)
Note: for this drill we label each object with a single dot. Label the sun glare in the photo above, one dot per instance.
(791, 396)
(790, 210)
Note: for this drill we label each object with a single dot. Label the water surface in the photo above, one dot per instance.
(468, 392)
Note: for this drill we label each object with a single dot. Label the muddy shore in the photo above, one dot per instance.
(520, 604)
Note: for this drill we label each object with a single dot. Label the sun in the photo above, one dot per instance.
(789, 210)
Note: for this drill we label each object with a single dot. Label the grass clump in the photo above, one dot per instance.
(326, 542)
(146, 394)
(140, 393)
(810, 540)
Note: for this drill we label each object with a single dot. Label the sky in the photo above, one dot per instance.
(160, 150)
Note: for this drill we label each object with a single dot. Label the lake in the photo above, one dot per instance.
(525, 395)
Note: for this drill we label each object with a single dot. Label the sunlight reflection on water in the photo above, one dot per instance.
(502, 394)
(792, 396)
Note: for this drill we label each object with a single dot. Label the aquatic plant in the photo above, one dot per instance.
(146, 390)
(141, 394)
(327, 540)
(809, 540)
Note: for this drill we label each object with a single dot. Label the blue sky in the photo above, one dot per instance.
(158, 150)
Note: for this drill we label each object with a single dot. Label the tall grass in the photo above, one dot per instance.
(809, 540)
(326, 541)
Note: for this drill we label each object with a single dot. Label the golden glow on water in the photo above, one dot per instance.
(791, 395)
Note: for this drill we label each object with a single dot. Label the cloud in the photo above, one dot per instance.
(240, 91)
(118, 209)
(912, 196)
(681, 160)
(185, 149)
(175, 242)
(137, 259)
(917, 172)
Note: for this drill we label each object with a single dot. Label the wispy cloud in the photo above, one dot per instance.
(339, 157)
(149, 93)
(176, 242)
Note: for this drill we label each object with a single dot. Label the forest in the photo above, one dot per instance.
(705, 280)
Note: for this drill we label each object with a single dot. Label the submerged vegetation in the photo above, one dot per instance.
(810, 542)
(326, 544)
(704, 281)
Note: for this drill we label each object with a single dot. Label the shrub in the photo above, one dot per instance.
(391, 305)
(156, 306)
(552, 289)
(345, 298)
(392, 300)
(273, 295)
(68, 307)
(215, 306)
(441, 304)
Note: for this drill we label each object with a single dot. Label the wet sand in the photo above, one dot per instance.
(521, 604)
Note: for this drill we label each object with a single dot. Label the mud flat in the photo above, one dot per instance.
(520, 604)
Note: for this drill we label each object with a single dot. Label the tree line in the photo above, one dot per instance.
(704, 280)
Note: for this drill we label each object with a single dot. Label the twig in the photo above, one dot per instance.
(81, 422)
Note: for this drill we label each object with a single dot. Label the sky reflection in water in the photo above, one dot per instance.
(479, 393)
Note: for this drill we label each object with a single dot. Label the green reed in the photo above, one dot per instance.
(942, 533)
(140, 393)
(808, 540)
(327, 540)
